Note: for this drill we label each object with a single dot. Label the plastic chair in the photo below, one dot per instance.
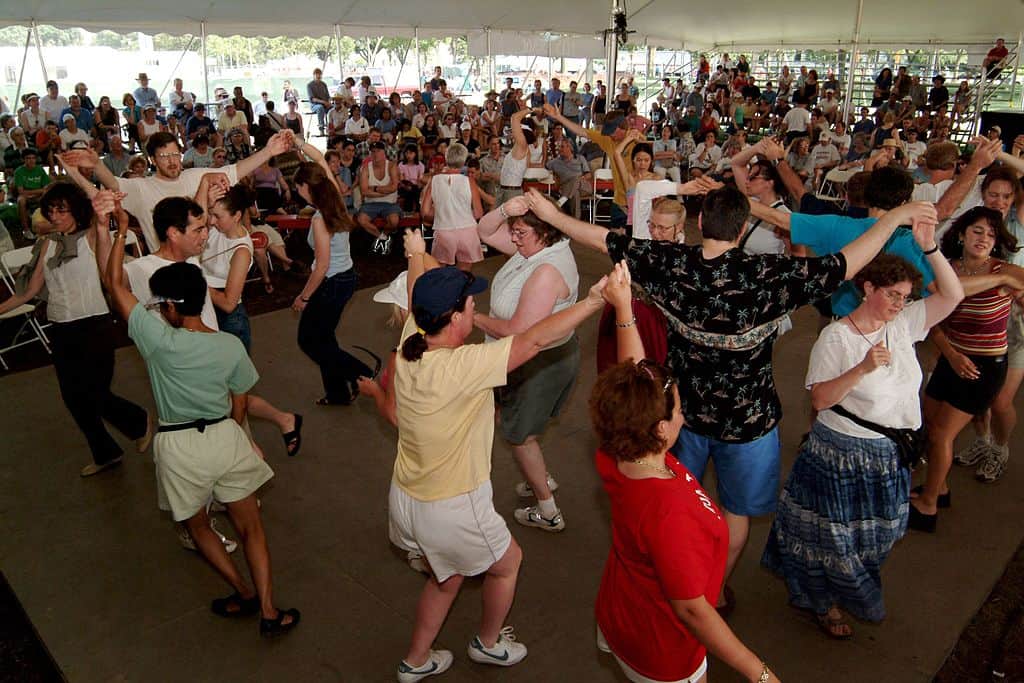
(30, 330)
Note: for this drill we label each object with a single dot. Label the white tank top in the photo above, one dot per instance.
(513, 170)
(373, 181)
(508, 283)
(453, 201)
(216, 259)
(150, 128)
(73, 289)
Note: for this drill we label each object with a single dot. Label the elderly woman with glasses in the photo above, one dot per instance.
(538, 280)
(665, 569)
(847, 499)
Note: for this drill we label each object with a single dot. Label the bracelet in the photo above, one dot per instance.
(765, 674)
(632, 321)
(501, 210)
(119, 235)
(932, 250)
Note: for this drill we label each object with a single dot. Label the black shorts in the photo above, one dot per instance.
(972, 396)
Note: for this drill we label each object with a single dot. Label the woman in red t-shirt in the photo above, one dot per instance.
(656, 605)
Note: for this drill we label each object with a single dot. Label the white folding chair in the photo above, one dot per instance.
(603, 190)
(833, 186)
(30, 330)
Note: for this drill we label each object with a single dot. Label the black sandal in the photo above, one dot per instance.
(235, 606)
(277, 627)
(293, 439)
(945, 500)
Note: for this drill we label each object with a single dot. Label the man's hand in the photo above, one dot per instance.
(517, 206)
(771, 149)
(414, 242)
(595, 295)
(281, 142)
(551, 110)
(917, 214)
(542, 207)
(104, 204)
(985, 152)
(79, 158)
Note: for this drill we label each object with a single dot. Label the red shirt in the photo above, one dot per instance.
(997, 54)
(669, 542)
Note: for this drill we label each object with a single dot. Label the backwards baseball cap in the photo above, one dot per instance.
(439, 290)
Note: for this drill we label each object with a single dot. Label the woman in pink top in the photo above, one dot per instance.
(412, 178)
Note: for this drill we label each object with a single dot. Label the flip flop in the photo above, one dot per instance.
(293, 439)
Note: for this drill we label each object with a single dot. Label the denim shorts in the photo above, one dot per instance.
(748, 473)
(377, 210)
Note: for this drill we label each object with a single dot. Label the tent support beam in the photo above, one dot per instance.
(490, 62)
(21, 74)
(39, 49)
(611, 44)
(184, 52)
(341, 64)
(851, 73)
(206, 69)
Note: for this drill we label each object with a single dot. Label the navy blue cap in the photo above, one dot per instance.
(437, 291)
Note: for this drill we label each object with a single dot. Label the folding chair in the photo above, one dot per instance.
(833, 187)
(30, 330)
(603, 190)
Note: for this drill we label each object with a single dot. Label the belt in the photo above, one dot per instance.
(512, 187)
(201, 424)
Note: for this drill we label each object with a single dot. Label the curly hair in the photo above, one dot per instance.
(885, 270)
(67, 195)
(627, 404)
(953, 241)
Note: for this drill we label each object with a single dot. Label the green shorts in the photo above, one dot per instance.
(537, 390)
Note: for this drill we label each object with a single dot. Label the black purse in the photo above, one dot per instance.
(911, 444)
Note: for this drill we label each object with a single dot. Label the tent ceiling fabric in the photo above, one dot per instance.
(667, 23)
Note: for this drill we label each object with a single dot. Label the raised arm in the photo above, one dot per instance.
(587, 234)
(766, 213)
(985, 153)
(279, 143)
(105, 204)
(741, 160)
(948, 291)
(520, 147)
(551, 111)
(619, 295)
(87, 158)
(493, 228)
(860, 252)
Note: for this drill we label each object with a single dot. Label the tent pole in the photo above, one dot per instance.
(1016, 67)
(647, 75)
(551, 65)
(206, 71)
(21, 74)
(854, 55)
(39, 49)
(401, 67)
(175, 70)
(490, 62)
(419, 69)
(341, 65)
(979, 103)
(611, 44)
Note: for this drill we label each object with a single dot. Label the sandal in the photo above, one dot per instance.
(278, 627)
(293, 439)
(945, 500)
(834, 627)
(235, 606)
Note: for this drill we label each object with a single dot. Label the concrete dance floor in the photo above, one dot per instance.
(115, 598)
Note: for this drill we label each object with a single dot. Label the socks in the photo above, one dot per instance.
(548, 509)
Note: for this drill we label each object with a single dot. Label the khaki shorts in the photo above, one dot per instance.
(460, 535)
(1015, 339)
(457, 246)
(193, 466)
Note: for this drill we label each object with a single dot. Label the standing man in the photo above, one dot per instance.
(319, 98)
(171, 178)
(572, 103)
(586, 106)
(144, 95)
(554, 94)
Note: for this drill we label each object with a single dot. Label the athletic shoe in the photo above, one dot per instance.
(438, 662)
(505, 652)
(524, 490)
(978, 450)
(992, 467)
(188, 544)
(382, 245)
(417, 562)
(531, 517)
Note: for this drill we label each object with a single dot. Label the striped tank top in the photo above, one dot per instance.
(978, 325)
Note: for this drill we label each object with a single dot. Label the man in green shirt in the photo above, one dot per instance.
(29, 182)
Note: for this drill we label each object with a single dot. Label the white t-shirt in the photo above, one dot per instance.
(841, 141)
(142, 194)
(357, 127)
(336, 118)
(220, 250)
(797, 120)
(763, 239)
(887, 395)
(178, 100)
(53, 108)
(932, 192)
(141, 269)
(67, 138)
(914, 151)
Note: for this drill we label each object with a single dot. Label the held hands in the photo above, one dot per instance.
(79, 158)
(107, 203)
(281, 142)
(414, 243)
(369, 387)
(542, 207)
(917, 214)
(551, 110)
(924, 234)
(771, 148)
(595, 296)
(985, 152)
(517, 206)
(877, 356)
(617, 291)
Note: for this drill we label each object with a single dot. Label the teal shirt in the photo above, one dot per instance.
(193, 374)
(830, 233)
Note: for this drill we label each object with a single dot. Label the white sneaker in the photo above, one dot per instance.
(992, 467)
(188, 544)
(505, 652)
(438, 662)
(531, 517)
(524, 490)
(979, 449)
(417, 562)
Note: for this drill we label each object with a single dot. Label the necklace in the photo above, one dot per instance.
(854, 323)
(981, 269)
(662, 468)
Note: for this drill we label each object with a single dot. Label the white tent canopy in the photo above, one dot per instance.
(667, 23)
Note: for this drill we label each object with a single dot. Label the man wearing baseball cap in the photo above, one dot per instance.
(232, 118)
(71, 136)
(53, 103)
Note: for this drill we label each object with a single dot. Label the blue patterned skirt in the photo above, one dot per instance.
(844, 506)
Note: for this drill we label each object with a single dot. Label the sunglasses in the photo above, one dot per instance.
(646, 367)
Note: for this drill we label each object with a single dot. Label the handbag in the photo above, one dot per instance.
(911, 444)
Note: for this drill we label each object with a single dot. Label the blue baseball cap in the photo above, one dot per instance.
(437, 291)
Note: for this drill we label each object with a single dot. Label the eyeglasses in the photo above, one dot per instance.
(169, 155)
(897, 298)
(518, 233)
(652, 226)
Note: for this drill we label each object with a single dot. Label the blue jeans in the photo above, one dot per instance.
(338, 368)
(321, 114)
(237, 323)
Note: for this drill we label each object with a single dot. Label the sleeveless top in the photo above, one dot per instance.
(341, 255)
(513, 170)
(74, 289)
(978, 325)
(374, 181)
(453, 202)
(295, 124)
(508, 283)
(216, 261)
(150, 128)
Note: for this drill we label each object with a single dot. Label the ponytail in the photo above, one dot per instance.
(415, 345)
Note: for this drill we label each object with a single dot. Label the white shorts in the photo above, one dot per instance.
(192, 466)
(632, 675)
(461, 535)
